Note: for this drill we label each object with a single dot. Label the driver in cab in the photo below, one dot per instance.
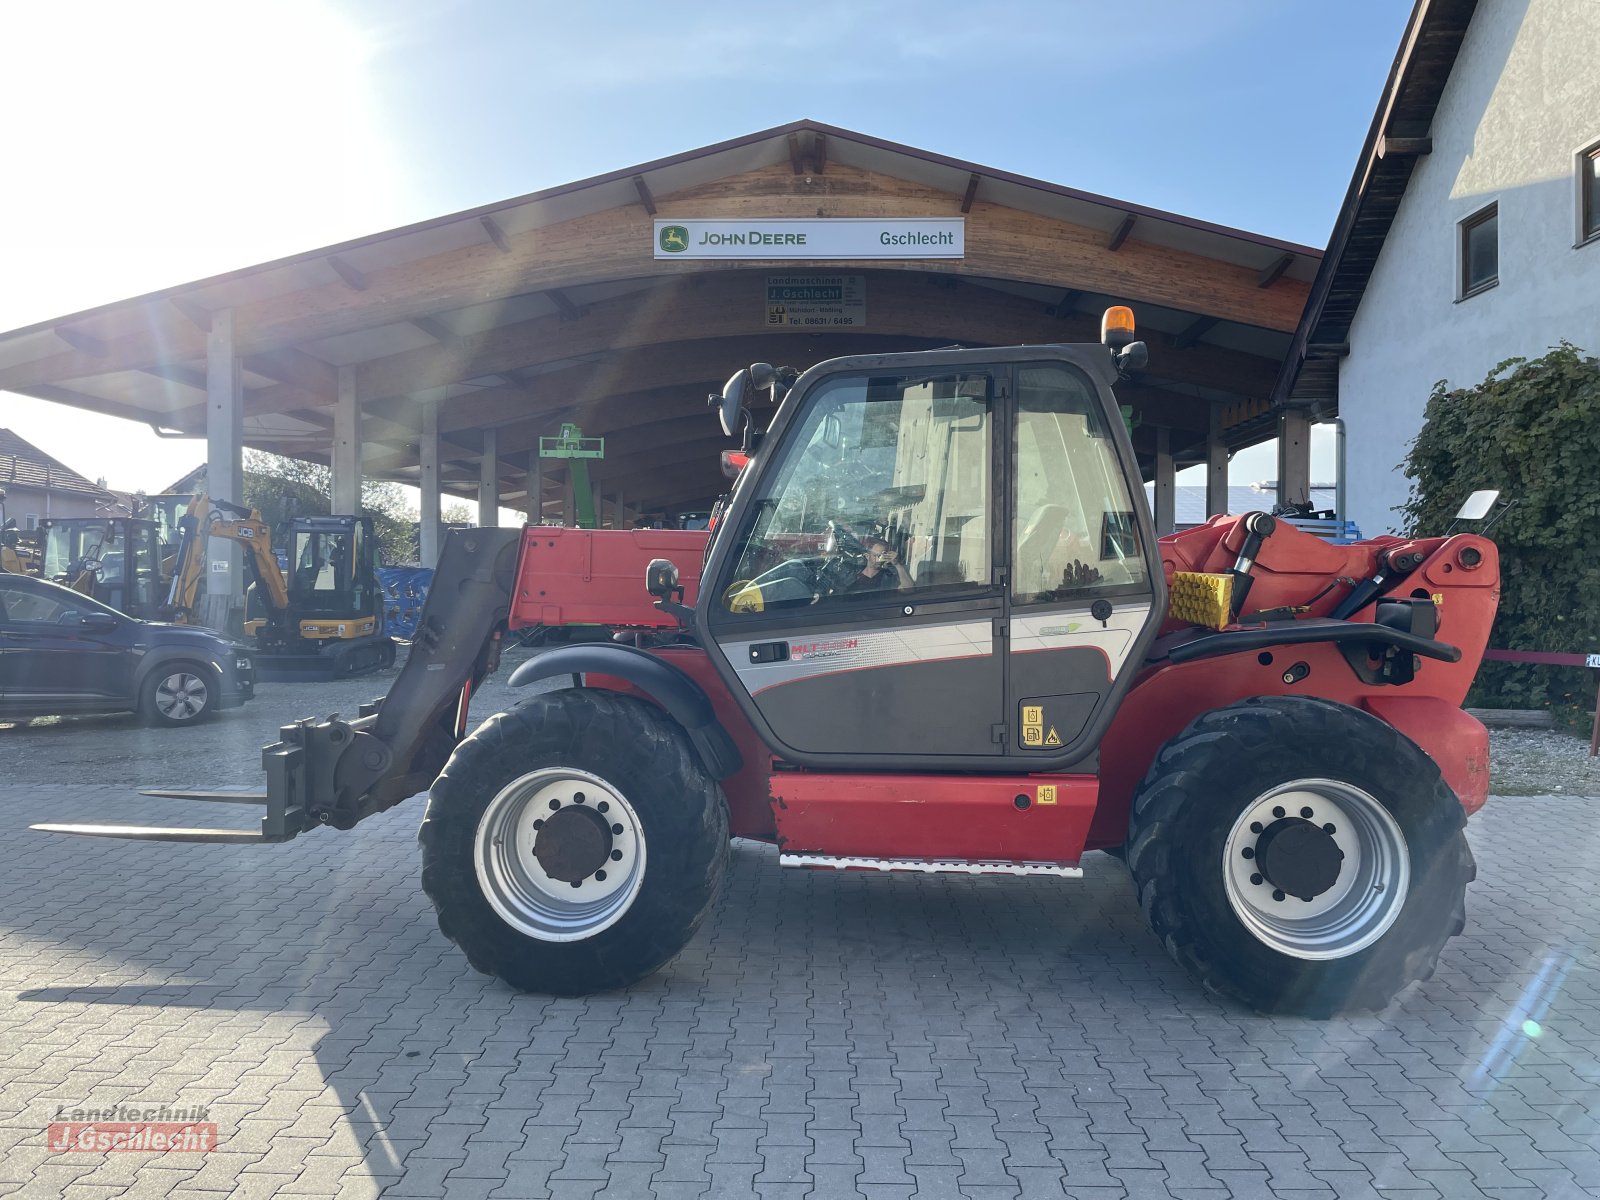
(883, 570)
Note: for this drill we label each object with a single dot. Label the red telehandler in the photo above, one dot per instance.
(934, 630)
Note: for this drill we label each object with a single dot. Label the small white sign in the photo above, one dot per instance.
(1593, 661)
(220, 566)
(812, 238)
(816, 301)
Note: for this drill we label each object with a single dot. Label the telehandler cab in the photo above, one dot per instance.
(934, 630)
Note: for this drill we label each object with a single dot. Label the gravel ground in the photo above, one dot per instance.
(111, 750)
(1541, 762)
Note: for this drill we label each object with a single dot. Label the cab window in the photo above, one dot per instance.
(884, 492)
(1074, 532)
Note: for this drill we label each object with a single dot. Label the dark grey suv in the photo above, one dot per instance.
(61, 652)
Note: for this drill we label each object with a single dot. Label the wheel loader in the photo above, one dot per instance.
(933, 630)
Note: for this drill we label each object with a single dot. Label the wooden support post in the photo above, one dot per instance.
(489, 480)
(428, 481)
(1166, 483)
(1216, 466)
(347, 446)
(224, 468)
(1294, 456)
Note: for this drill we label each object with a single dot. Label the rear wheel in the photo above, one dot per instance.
(178, 694)
(573, 844)
(1299, 855)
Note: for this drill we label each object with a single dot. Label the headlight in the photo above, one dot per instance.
(241, 664)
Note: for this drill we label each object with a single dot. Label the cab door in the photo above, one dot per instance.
(855, 608)
(1084, 588)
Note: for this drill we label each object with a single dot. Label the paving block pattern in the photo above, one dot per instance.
(827, 1035)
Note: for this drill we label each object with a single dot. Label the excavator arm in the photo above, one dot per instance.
(208, 518)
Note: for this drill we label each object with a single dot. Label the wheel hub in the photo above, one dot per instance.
(573, 843)
(1298, 858)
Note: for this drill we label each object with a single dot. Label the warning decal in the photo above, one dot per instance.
(1047, 793)
(1033, 728)
(1052, 738)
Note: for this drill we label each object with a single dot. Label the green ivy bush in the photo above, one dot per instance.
(1531, 429)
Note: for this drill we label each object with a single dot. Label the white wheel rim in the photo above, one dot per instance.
(181, 696)
(1364, 900)
(529, 884)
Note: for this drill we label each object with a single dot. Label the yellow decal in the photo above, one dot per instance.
(1032, 735)
(1438, 599)
(1052, 738)
(1033, 714)
(1047, 793)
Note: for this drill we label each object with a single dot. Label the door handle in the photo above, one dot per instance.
(766, 652)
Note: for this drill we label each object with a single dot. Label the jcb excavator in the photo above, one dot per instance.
(934, 630)
(324, 621)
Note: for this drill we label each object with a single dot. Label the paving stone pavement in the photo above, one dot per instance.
(826, 1035)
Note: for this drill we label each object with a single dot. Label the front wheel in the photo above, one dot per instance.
(177, 694)
(573, 844)
(1299, 855)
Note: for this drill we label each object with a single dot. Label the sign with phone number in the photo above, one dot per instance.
(816, 301)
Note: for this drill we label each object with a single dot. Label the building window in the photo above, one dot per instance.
(1589, 194)
(1480, 251)
(32, 521)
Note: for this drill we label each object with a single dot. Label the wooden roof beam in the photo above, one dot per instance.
(496, 235)
(353, 278)
(564, 305)
(819, 154)
(190, 377)
(1066, 306)
(972, 191)
(196, 314)
(1194, 331)
(645, 198)
(1271, 274)
(797, 156)
(1404, 147)
(83, 343)
(1121, 232)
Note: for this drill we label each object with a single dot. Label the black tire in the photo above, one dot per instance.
(1207, 778)
(644, 758)
(177, 694)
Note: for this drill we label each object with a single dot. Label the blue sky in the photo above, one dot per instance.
(181, 138)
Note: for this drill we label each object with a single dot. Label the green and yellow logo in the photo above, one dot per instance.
(674, 239)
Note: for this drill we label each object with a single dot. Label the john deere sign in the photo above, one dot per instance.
(837, 237)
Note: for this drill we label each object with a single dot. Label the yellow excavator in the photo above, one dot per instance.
(14, 556)
(323, 619)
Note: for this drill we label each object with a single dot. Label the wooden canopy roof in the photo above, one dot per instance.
(550, 307)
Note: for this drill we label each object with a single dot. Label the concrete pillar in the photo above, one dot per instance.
(1294, 456)
(489, 481)
(569, 512)
(428, 481)
(347, 446)
(1216, 466)
(224, 468)
(1166, 483)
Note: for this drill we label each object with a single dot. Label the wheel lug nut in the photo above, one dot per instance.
(1256, 879)
(577, 883)
(578, 797)
(1248, 852)
(1306, 813)
(600, 875)
(603, 806)
(1279, 812)
(1255, 826)
(1329, 829)
(616, 829)
(1276, 894)
(554, 804)
(616, 856)
(538, 824)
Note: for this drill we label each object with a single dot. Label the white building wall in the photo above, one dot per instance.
(1522, 100)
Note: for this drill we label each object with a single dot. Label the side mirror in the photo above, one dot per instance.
(731, 404)
(661, 579)
(98, 622)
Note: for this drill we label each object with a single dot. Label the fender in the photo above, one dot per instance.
(664, 683)
(158, 656)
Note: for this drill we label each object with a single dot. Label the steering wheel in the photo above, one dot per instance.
(845, 560)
